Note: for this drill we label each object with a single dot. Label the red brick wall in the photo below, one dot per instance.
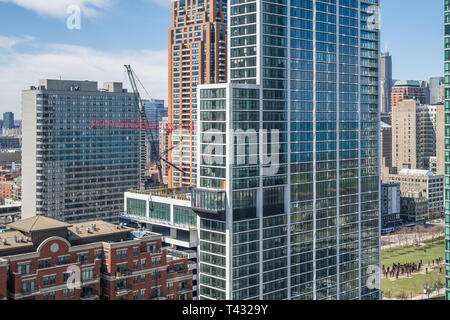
(55, 269)
(3, 281)
(45, 252)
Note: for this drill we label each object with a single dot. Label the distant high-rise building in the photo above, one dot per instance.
(414, 139)
(197, 55)
(386, 82)
(405, 90)
(76, 160)
(288, 164)
(437, 86)
(8, 120)
(385, 149)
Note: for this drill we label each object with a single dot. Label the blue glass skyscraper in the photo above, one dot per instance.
(288, 161)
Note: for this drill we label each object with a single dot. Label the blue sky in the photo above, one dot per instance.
(35, 42)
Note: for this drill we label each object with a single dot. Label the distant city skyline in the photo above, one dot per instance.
(36, 44)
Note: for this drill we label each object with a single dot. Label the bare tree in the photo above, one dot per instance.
(403, 236)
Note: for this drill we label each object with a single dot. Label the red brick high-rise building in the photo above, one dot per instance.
(197, 55)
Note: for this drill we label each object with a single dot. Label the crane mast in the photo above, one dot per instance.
(144, 130)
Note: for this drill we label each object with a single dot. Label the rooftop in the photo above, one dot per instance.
(37, 223)
(416, 172)
(14, 239)
(407, 83)
(94, 229)
(174, 193)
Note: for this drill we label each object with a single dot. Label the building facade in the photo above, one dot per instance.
(8, 120)
(422, 184)
(197, 55)
(437, 87)
(167, 212)
(385, 149)
(445, 129)
(155, 111)
(288, 168)
(414, 139)
(50, 260)
(408, 90)
(390, 206)
(76, 164)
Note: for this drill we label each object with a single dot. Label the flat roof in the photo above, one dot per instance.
(11, 237)
(102, 228)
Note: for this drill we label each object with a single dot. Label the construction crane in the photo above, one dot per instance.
(144, 130)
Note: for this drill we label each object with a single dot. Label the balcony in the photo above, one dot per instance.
(121, 290)
(209, 204)
(123, 273)
(89, 295)
(29, 292)
(89, 281)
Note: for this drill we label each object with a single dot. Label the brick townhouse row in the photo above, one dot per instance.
(45, 259)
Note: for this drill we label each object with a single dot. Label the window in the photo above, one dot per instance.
(63, 260)
(142, 293)
(24, 268)
(87, 274)
(50, 296)
(156, 275)
(151, 247)
(135, 252)
(46, 263)
(49, 280)
(68, 293)
(156, 261)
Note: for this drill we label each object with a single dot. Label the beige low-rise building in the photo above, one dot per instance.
(422, 184)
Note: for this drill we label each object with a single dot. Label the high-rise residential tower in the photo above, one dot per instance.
(78, 156)
(8, 120)
(197, 55)
(288, 186)
(386, 82)
(414, 139)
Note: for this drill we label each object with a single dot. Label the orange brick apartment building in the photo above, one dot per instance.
(45, 259)
(197, 55)
(405, 90)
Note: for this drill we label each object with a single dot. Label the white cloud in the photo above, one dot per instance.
(21, 70)
(7, 43)
(58, 8)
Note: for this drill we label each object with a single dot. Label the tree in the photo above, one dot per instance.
(439, 283)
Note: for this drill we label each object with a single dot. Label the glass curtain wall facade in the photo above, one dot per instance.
(447, 148)
(302, 99)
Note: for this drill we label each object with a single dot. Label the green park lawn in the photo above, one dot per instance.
(408, 285)
(414, 285)
(429, 252)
